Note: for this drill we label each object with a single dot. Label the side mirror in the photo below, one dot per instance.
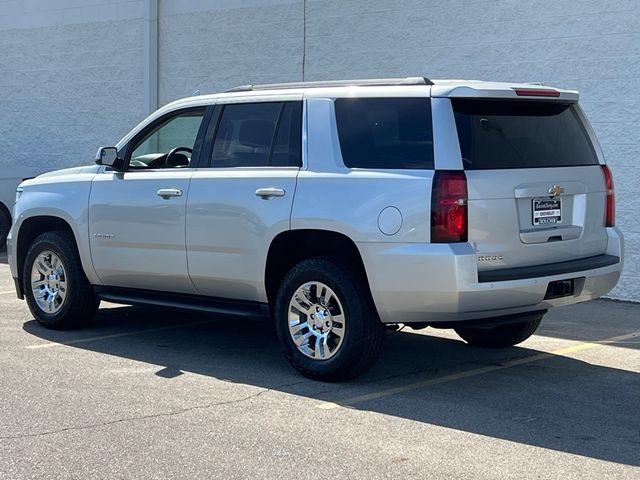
(107, 156)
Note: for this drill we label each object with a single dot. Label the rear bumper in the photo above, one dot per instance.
(548, 269)
(439, 283)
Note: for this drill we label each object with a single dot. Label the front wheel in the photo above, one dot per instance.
(5, 226)
(326, 322)
(503, 335)
(58, 293)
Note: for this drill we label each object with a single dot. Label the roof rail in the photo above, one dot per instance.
(336, 83)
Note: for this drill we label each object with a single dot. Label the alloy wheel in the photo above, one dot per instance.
(48, 282)
(316, 320)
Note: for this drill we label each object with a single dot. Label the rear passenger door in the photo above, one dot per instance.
(243, 198)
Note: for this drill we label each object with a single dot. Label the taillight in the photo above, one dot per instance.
(610, 202)
(449, 207)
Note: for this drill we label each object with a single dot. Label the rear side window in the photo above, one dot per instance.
(259, 135)
(497, 134)
(385, 133)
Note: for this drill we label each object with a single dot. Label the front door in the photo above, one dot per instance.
(137, 217)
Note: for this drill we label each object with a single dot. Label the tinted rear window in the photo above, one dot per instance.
(521, 134)
(385, 132)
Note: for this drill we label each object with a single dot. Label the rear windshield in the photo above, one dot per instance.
(521, 134)
(385, 133)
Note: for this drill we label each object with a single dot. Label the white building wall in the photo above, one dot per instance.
(212, 48)
(72, 77)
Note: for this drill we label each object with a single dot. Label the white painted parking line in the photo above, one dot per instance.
(474, 372)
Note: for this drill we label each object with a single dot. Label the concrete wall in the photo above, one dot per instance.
(72, 78)
(214, 48)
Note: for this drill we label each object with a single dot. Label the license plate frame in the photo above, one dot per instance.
(546, 211)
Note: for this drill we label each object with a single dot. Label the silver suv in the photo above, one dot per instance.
(335, 208)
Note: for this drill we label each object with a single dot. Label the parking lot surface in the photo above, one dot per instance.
(152, 393)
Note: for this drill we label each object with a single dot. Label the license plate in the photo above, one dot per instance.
(547, 211)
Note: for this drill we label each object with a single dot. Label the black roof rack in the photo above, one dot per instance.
(336, 83)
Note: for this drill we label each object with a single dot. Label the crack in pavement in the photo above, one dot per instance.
(140, 417)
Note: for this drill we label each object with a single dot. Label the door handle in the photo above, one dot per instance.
(267, 193)
(168, 193)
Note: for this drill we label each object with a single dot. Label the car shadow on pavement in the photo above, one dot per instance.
(557, 402)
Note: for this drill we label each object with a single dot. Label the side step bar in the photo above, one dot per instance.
(220, 306)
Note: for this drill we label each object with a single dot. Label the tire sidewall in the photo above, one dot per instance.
(46, 242)
(355, 316)
(502, 336)
(5, 226)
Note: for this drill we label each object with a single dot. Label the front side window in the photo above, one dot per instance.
(168, 145)
(385, 133)
(258, 135)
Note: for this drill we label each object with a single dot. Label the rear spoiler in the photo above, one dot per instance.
(520, 92)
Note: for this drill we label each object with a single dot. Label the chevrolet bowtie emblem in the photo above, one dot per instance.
(556, 190)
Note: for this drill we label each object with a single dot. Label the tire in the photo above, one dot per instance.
(5, 226)
(504, 335)
(347, 306)
(79, 305)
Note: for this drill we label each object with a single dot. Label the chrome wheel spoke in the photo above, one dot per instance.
(299, 305)
(325, 347)
(48, 282)
(321, 291)
(41, 267)
(316, 320)
(302, 339)
(39, 293)
(316, 349)
(295, 329)
(338, 331)
(330, 298)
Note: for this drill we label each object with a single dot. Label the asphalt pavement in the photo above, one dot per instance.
(153, 393)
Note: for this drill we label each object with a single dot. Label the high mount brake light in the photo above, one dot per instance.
(536, 92)
(610, 202)
(449, 207)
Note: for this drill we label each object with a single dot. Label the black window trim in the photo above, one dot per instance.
(206, 155)
(196, 155)
(275, 134)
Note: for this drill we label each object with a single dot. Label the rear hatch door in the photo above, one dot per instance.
(536, 189)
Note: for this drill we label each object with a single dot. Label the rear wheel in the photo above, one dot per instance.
(327, 324)
(57, 291)
(503, 335)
